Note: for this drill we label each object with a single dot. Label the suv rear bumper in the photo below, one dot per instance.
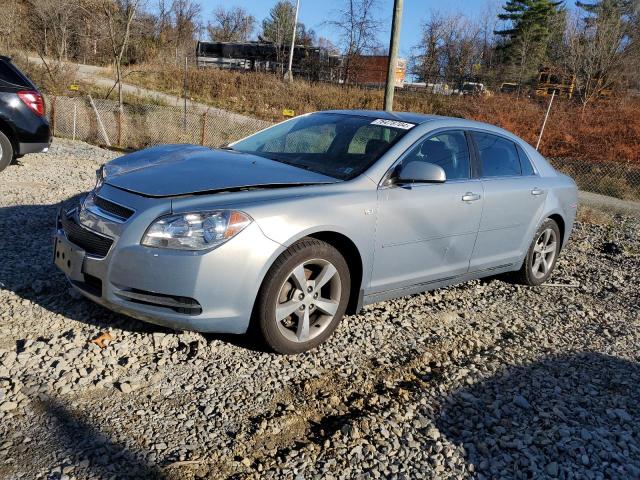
(25, 148)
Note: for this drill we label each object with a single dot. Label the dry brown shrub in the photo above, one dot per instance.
(606, 131)
(588, 214)
(54, 77)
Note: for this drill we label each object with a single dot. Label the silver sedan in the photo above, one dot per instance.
(296, 225)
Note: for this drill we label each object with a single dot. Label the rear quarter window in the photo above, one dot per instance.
(525, 163)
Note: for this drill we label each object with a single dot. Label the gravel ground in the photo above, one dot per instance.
(482, 380)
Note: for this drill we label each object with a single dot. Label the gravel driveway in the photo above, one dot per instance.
(482, 380)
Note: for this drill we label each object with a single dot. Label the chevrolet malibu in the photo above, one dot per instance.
(292, 227)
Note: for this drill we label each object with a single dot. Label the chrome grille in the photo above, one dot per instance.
(112, 208)
(89, 241)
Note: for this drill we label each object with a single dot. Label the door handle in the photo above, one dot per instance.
(537, 191)
(470, 197)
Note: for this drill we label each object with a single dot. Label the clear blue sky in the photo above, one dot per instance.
(314, 12)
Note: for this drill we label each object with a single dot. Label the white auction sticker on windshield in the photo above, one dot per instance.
(393, 124)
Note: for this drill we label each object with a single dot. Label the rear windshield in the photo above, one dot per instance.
(9, 74)
(337, 145)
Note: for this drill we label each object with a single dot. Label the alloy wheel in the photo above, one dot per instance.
(544, 253)
(308, 300)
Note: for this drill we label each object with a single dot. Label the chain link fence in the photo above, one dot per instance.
(619, 180)
(97, 121)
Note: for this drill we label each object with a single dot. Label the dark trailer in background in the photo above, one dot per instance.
(312, 63)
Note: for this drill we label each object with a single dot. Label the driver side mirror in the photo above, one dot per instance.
(417, 171)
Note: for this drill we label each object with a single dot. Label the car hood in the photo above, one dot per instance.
(172, 170)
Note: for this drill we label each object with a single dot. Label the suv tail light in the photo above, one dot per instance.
(33, 100)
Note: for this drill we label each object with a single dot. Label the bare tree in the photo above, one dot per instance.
(186, 14)
(357, 26)
(232, 25)
(79, 29)
(12, 30)
(89, 33)
(54, 19)
(488, 23)
(597, 52)
(451, 50)
(326, 44)
(119, 17)
(462, 50)
(425, 62)
(163, 20)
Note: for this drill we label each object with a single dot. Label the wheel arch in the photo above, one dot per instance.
(9, 132)
(352, 256)
(347, 248)
(556, 217)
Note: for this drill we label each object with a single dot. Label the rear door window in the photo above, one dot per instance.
(498, 156)
(9, 75)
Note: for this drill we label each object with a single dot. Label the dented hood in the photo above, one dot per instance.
(172, 170)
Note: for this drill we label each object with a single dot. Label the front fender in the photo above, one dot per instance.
(352, 215)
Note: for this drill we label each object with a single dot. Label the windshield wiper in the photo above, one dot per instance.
(286, 162)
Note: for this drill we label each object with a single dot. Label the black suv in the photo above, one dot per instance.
(23, 125)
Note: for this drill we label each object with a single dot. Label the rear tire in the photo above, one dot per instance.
(303, 297)
(542, 255)
(6, 151)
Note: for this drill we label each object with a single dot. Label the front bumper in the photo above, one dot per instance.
(210, 291)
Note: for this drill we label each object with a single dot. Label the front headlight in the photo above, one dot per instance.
(195, 231)
(99, 178)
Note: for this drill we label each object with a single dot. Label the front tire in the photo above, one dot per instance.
(542, 255)
(6, 151)
(303, 297)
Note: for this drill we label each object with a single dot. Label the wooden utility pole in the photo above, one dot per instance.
(393, 55)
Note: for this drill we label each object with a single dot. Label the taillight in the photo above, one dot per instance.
(33, 100)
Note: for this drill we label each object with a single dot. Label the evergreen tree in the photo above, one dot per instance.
(278, 28)
(534, 25)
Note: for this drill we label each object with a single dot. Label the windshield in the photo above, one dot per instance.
(337, 145)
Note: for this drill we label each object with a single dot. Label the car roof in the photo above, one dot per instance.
(400, 116)
(417, 118)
